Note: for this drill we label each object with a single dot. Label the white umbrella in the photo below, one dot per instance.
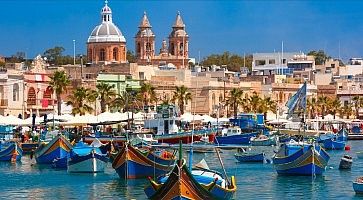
(207, 118)
(11, 120)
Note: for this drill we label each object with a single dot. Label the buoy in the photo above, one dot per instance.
(347, 148)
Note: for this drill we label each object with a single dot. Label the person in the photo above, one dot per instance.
(31, 154)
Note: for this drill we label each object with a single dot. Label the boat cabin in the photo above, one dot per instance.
(165, 120)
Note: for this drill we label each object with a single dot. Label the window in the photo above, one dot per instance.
(16, 92)
(115, 54)
(172, 49)
(271, 61)
(102, 55)
(47, 95)
(90, 55)
(284, 61)
(260, 62)
(31, 96)
(332, 65)
(141, 75)
(1, 92)
(138, 49)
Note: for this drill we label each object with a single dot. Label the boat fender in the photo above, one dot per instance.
(347, 148)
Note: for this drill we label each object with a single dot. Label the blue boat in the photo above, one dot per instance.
(234, 136)
(342, 135)
(250, 157)
(333, 144)
(300, 159)
(85, 158)
(358, 185)
(57, 148)
(10, 151)
(131, 163)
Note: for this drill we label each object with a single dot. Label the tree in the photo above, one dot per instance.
(311, 105)
(54, 54)
(235, 99)
(233, 61)
(147, 94)
(334, 106)
(106, 93)
(181, 95)
(323, 105)
(358, 102)
(79, 100)
(59, 82)
(130, 56)
(254, 101)
(320, 56)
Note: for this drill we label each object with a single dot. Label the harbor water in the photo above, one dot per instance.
(27, 180)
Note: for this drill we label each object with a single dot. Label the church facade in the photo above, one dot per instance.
(107, 45)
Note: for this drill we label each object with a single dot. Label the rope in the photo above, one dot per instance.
(221, 162)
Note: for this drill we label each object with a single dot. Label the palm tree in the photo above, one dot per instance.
(254, 102)
(79, 99)
(323, 104)
(335, 106)
(59, 82)
(358, 102)
(181, 95)
(311, 107)
(235, 100)
(147, 94)
(106, 93)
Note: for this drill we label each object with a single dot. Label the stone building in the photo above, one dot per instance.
(106, 44)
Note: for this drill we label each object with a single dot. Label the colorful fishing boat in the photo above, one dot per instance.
(333, 144)
(131, 163)
(85, 158)
(296, 158)
(181, 183)
(10, 151)
(57, 148)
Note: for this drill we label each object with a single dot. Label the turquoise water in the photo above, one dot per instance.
(254, 181)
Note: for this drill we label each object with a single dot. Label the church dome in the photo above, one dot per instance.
(107, 31)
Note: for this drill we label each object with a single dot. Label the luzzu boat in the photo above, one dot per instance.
(131, 163)
(10, 151)
(57, 148)
(235, 136)
(201, 184)
(86, 159)
(334, 144)
(296, 158)
(250, 156)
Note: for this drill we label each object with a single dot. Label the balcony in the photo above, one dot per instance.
(3, 102)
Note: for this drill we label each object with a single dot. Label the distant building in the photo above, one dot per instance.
(271, 63)
(106, 44)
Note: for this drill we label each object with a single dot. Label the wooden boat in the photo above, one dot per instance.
(86, 159)
(346, 162)
(180, 183)
(29, 147)
(130, 163)
(10, 151)
(263, 140)
(105, 139)
(57, 148)
(333, 144)
(358, 185)
(244, 156)
(300, 159)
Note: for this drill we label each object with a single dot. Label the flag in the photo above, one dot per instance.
(297, 101)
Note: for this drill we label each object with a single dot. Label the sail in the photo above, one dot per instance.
(298, 101)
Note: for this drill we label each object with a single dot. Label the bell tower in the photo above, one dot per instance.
(145, 42)
(178, 41)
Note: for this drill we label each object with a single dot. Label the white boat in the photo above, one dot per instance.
(86, 159)
(346, 162)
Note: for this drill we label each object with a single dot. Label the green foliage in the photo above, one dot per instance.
(59, 82)
(2, 64)
(181, 95)
(55, 57)
(130, 56)
(80, 99)
(233, 62)
(106, 93)
(147, 94)
(320, 56)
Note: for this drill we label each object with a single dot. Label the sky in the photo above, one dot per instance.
(32, 26)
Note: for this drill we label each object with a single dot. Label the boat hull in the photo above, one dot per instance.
(88, 164)
(345, 163)
(250, 158)
(234, 139)
(11, 153)
(58, 148)
(130, 163)
(358, 187)
(306, 161)
(174, 139)
(333, 144)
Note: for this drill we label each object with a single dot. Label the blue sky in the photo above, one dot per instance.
(240, 27)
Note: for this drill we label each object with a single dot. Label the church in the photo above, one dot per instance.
(106, 45)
